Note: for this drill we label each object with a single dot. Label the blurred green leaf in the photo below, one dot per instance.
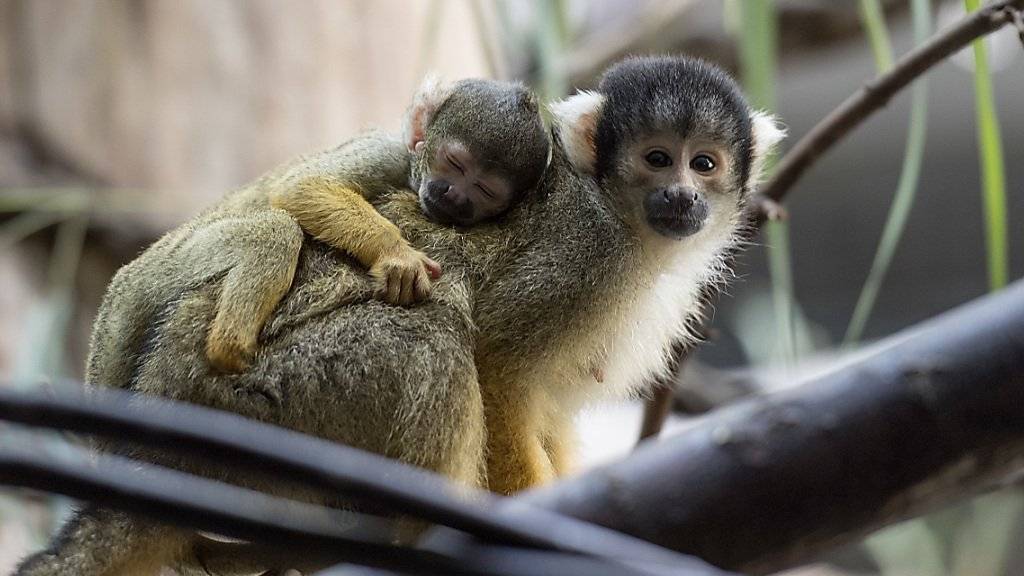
(984, 543)
(552, 39)
(42, 353)
(25, 224)
(758, 46)
(993, 173)
(873, 18)
(910, 172)
(907, 549)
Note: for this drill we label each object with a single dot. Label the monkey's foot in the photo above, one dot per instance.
(228, 354)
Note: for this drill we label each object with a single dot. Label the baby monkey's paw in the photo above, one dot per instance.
(403, 276)
(226, 352)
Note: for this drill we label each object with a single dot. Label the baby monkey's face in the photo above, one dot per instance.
(459, 187)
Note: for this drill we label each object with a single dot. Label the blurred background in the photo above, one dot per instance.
(121, 118)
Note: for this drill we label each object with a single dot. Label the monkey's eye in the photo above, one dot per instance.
(456, 165)
(702, 163)
(658, 159)
(486, 192)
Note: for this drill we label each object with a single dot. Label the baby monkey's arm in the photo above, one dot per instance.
(327, 196)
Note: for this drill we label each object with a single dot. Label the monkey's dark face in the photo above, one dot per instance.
(675, 140)
(459, 188)
(678, 184)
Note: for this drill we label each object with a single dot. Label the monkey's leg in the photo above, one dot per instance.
(119, 331)
(265, 255)
(101, 542)
(560, 444)
(516, 458)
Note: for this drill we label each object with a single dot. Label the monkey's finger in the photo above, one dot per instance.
(408, 280)
(394, 286)
(422, 288)
(432, 267)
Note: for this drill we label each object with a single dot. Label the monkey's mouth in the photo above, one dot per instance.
(461, 215)
(678, 224)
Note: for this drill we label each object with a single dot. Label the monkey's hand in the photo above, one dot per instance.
(403, 275)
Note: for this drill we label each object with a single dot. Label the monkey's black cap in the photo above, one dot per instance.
(500, 122)
(684, 95)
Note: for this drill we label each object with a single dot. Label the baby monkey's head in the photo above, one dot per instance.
(477, 145)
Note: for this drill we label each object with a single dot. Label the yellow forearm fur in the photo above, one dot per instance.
(339, 215)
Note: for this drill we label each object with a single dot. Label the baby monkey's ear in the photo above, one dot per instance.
(431, 95)
(576, 117)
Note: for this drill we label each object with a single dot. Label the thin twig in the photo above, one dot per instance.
(877, 93)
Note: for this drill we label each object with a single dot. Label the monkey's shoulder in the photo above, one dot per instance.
(375, 158)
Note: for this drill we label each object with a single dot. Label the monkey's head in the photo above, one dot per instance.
(478, 146)
(674, 139)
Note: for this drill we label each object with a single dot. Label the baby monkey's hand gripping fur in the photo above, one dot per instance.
(455, 136)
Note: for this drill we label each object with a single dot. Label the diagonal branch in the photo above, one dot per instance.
(931, 418)
(876, 94)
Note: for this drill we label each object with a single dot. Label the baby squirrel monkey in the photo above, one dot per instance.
(474, 147)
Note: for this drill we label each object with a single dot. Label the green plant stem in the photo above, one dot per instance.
(993, 173)
(758, 65)
(874, 22)
(553, 36)
(910, 172)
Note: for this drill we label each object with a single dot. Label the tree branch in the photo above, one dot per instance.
(306, 536)
(774, 480)
(339, 471)
(877, 93)
(851, 113)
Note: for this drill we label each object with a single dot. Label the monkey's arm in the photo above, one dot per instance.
(328, 196)
(338, 214)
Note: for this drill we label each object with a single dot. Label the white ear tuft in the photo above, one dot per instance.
(767, 133)
(429, 97)
(576, 118)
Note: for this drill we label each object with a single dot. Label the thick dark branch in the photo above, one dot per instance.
(851, 113)
(933, 416)
(339, 470)
(877, 93)
(307, 536)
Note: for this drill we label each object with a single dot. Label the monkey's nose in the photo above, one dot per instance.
(685, 197)
(439, 188)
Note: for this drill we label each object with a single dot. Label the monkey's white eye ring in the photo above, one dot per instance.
(702, 163)
(658, 159)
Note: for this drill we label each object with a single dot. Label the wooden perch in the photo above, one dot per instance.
(772, 481)
(341, 472)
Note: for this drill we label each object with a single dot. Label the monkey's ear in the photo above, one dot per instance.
(432, 93)
(576, 117)
(767, 133)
